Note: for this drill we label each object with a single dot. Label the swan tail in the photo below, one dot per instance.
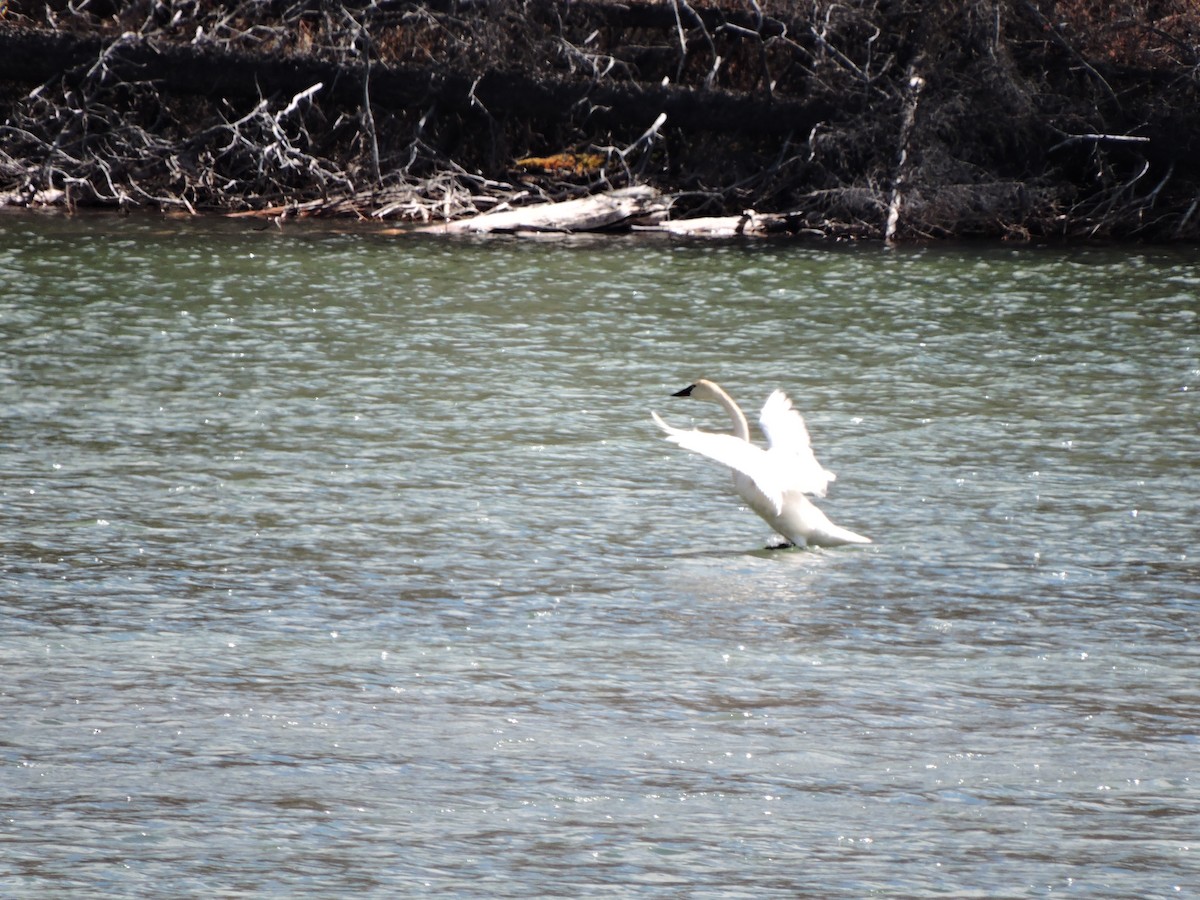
(833, 535)
(804, 523)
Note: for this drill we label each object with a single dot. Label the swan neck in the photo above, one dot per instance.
(741, 427)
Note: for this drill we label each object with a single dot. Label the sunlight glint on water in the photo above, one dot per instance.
(335, 562)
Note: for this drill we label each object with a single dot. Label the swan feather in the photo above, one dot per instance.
(730, 450)
(791, 445)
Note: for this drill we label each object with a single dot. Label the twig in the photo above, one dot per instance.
(1187, 217)
(299, 98)
(1066, 45)
(647, 137)
(682, 41)
(1099, 139)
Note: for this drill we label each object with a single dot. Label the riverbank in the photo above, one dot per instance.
(1007, 119)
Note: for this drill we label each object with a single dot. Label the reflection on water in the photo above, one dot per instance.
(335, 562)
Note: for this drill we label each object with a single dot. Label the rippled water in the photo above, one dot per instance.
(343, 563)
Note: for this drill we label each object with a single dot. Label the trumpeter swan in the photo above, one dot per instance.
(773, 481)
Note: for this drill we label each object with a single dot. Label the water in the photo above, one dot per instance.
(343, 563)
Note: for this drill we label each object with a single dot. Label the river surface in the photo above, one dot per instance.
(341, 564)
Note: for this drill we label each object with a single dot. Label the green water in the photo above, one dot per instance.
(335, 562)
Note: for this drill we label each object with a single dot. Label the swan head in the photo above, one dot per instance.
(701, 390)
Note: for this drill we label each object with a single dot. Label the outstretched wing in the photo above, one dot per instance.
(791, 447)
(731, 451)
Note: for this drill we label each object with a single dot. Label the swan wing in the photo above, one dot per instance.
(732, 451)
(791, 446)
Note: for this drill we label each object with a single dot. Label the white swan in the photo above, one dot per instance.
(773, 481)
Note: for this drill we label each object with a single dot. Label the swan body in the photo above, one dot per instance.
(773, 482)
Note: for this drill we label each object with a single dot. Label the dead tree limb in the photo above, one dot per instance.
(900, 181)
(596, 213)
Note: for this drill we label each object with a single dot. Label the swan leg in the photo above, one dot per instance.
(785, 544)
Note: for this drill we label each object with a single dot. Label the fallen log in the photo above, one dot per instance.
(599, 212)
(748, 223)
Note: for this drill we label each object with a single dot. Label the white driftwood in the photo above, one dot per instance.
(748, 222)
(47, 197)
(594, 213)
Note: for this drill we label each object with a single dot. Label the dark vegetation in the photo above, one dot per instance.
(1014, 118)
